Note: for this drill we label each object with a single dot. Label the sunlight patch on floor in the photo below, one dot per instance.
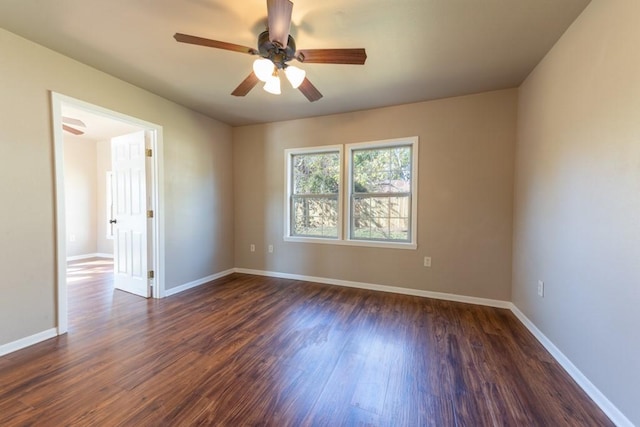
(77, 278)
(80, 271)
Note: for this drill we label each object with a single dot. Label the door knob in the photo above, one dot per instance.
(113, 221)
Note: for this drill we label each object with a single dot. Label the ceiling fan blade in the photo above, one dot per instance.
(279, 17)
(200, 41)
(309, 90)
(246, 85)
(332, 56)
(72, 121)
(72, 130)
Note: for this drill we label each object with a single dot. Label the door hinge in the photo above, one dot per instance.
(150, 274)
(149, 214)
(148, 152)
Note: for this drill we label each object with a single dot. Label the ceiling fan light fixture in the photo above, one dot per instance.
(295, 75)
(263, 68)
(276, 47)
(273, 85)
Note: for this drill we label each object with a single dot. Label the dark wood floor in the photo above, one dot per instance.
(253, 351)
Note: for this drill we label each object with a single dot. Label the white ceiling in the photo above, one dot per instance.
(97, 127)
(417, 49)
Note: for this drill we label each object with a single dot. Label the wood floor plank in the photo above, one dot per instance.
(248, 350)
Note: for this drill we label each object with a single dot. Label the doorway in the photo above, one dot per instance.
(72, 117)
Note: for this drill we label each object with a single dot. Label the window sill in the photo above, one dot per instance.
(361, 243)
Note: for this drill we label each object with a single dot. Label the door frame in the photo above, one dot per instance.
(155, 174)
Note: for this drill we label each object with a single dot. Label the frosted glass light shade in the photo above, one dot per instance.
(263, 68)
(295, 75)
(273, 85)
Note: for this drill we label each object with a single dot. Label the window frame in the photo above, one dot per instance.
(288, 182)
(413, 196)
(345, 193)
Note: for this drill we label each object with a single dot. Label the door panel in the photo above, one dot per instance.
(130, 248)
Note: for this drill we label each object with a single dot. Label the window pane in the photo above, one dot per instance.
(317, 173)
(384, 170)
(315, 216)
(381, 218)
(380, 200)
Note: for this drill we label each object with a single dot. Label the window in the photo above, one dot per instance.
(379, 194)
(109, 216)
(380, 205)
(314, 193)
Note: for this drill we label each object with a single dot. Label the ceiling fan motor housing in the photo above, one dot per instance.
(273, 51)
(270, 46)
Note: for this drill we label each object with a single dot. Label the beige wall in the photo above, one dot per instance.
(465, 196)
(103, 164)
(577, 192)
(577, 207)
(86, 166)
(80, 194)
(197, 180)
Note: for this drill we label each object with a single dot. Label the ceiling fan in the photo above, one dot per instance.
(67, 121)
(276, 49)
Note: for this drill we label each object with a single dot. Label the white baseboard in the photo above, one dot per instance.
(596, 395)
(27, 341)
(87, 256)
(195, 283)
(103, 255)
(381, 288)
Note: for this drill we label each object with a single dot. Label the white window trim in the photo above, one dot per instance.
(349, 148)
(344, 209)
(288, 154)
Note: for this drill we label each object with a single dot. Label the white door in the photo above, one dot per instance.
(130, 214)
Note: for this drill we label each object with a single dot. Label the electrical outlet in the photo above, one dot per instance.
(270, 249)
(252, 247)
(540, 288)
(72, 237)
(427, 261)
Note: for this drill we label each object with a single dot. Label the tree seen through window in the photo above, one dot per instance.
(381, 193)
(316, 187)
